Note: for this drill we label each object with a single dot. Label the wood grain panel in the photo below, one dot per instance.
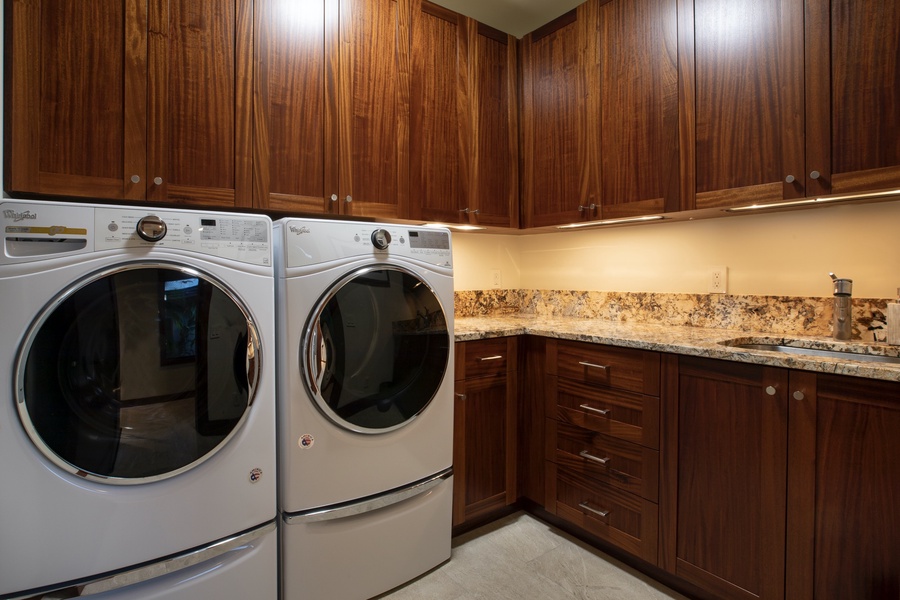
(638, 103)
(494, 163)
(747, 68)
(731, 490)
(622, 368)
(290, 111)
(554, 113)
(374, 107)
(437, 106)
(852, 87)
(857, 526)
(200, 115)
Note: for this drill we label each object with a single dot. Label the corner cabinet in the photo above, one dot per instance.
(484, 432)
(124, 100)
(602, 442)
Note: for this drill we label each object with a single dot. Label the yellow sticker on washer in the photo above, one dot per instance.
(306, 441)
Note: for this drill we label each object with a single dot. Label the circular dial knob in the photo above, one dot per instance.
(381, 238)
(151, 228)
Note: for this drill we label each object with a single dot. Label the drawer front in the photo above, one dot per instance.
(608, 366)
(630, 417)
(484, 358)
(626, 520)
(604, 459)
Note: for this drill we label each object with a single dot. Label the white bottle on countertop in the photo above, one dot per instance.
(893, 321)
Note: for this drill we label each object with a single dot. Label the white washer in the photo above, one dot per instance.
(365, 405)
(137, 427)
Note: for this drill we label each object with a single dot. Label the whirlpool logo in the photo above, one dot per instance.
(298, 230)
(18, 216)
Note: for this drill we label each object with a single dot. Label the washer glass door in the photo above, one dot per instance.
(137, 373)
(376, 349)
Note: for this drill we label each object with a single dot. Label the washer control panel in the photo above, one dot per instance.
(237, 237)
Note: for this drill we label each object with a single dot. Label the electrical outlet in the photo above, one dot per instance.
(496, 279)
(718, 280)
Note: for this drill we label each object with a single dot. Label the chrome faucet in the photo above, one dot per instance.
(843, 312)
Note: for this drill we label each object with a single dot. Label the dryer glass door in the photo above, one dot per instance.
(138, 373)
(376, 349)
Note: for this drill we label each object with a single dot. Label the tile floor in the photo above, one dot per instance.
(520, 558)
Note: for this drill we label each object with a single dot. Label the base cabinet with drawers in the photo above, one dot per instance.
(602, 442)
(484, 435)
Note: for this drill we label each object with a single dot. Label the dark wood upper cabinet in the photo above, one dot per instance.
(634, 70)
(742, 101)
(785, 99)
(556, 187)
(463, 133)
(123, 100)
(295, 106)
(439, 117)
(852, 87)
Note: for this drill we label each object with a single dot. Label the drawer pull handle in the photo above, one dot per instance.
(600, 513)
(495, 357)
(461, 396)
(587, 364)
(596, 459)
(602, 411)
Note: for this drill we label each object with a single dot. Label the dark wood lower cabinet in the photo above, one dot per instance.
(723, 479)
(484, 442)
(844, 518)
(724, 476)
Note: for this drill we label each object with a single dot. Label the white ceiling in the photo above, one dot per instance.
(517, 17)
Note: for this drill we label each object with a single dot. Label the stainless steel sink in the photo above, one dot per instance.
(861, 352)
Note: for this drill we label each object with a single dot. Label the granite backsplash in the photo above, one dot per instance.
(772, 314)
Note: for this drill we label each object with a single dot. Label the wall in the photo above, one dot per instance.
(783, 254)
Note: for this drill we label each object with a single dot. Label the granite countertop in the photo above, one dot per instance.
(692, 341)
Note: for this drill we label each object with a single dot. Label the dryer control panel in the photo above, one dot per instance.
(313, 241)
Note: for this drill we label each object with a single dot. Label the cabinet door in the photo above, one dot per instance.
(77, 98)
(633, 58)
(199, 117)
(723, 487)
(556, 184)
(852, 119)
(374, 108)
(844, 523)
(438, 114)
(741, 71)
(484, 447)
(295, 106)
(494, 157)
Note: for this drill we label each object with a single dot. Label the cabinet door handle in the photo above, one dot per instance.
(468, 211)
(770, 390)
(495, 357)
(333, 198)
(348, 199)
(590, 207)
(602, 411)
(600, 513)
(592, 365)
(596, 459)
(135, 179)
(798, 395)
(461, 396)
(157, 180)
(789, 179)
(814, 175)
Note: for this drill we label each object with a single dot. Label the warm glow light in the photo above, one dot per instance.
(611, 222)
(825, 200)
(457, 227)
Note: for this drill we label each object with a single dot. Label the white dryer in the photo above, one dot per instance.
(365, 404)
(137, 418)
